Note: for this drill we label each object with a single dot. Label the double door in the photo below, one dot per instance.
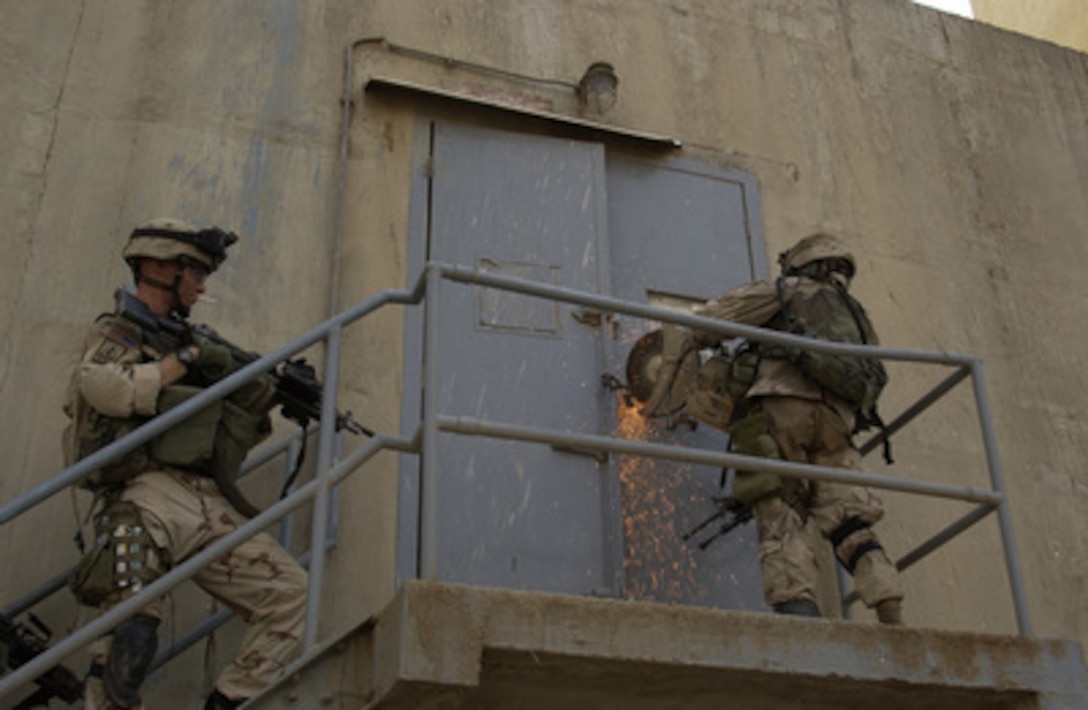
(531, 516)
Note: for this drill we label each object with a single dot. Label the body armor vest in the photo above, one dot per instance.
(823, 310)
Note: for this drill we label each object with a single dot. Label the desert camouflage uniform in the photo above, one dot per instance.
(184, 513)
(809, 425)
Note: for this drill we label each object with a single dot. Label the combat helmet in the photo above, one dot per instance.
(819, 247)
(171, 239)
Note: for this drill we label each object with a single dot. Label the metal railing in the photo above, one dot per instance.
(286, 446)
(329, 473)
(326, 477)
(988, 501)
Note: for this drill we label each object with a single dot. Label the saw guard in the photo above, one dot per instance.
(658, 380)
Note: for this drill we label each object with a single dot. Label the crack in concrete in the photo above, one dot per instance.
(7, 345)
(11, 334)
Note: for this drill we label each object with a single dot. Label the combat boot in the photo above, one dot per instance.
(798, 607)
(890, 611)
(131, 653)
(218, 701)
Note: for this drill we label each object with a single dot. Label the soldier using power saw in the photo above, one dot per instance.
(790, 404)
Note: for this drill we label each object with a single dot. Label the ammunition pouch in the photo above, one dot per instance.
(215, 440)
(121, 560)
(256, 396)
(96, 431)
(191, 442)
(742, 372)
(751, 437)
(237, 432)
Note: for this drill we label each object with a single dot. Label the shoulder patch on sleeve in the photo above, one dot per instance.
(120, 336)
(107, 352)
(113, 342)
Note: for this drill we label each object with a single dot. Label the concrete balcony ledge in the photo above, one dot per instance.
(450, 646)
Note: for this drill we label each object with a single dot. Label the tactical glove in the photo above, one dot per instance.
(214, 362)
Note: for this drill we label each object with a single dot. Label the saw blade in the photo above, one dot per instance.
(643, 365)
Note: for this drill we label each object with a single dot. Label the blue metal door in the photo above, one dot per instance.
(680, 233)
(513, 514)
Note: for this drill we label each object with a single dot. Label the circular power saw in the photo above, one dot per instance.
(667, 376)
(647, 367)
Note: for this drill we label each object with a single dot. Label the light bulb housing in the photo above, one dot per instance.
(597, 87)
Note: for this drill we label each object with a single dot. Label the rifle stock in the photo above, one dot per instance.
(730, 511)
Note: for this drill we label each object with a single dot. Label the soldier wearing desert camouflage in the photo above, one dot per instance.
(800, 406)
(161, 504)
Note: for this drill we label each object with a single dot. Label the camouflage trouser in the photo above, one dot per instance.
(812, 432)
(258, 580)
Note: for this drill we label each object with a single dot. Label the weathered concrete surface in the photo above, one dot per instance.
(447, 646)
(951, 155)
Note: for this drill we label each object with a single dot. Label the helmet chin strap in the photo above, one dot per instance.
(173, 289)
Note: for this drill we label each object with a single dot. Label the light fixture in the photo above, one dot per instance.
(597, 87)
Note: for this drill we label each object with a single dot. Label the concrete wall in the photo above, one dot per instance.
(950, 154)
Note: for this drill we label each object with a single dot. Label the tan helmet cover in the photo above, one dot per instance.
(814, 247)
(165, 248)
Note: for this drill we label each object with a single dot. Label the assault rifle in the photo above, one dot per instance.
(730, 511)
(298, 391)
(24, 643)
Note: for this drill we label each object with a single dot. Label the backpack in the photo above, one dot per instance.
(825, 311)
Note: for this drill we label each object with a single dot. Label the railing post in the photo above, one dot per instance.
(320, 520)
(1004, 517)
(428, 529)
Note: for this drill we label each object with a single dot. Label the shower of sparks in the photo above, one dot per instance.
(658, 565)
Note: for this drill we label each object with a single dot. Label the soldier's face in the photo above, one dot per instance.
(191, 285)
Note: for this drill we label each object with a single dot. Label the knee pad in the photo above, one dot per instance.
(135, 641)
(847, 528)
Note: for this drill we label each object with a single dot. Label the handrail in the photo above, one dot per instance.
(966, 366)
(180, 573)
(988, 501)
(149, 430)
(908, 415)
(673, 452)
(429, 284)
(258, 458)
(612, 304)
(317, 488)
(179, 645)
